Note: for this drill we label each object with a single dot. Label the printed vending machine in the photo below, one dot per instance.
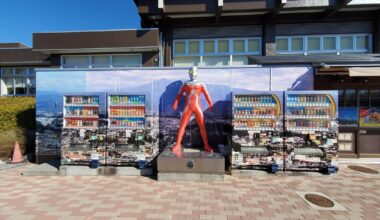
(128, 139)
(257, 121)
(82, 135)
(311, 130)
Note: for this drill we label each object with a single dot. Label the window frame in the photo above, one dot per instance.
(174, 47)
(91, 60)
(129, 54)
(92, 65)
(321, 37)
(323, 50)
(321, 42)
(26, 76)
(63, 65)
(290, 42)
(369, 97)
(202, 54)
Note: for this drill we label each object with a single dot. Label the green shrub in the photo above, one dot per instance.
(17, 122)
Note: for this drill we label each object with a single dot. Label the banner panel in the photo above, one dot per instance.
(159, 88)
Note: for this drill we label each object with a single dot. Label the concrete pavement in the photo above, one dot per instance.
(126, 197)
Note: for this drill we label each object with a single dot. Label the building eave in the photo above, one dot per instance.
(99, 50)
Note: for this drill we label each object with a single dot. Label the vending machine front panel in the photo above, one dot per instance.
(257, 130)
(311, 130)
(82, 137)
(129, 137)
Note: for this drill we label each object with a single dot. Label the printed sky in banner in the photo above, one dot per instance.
(292, 78)
(65, 81)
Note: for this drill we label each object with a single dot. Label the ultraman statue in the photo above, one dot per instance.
(192, 89)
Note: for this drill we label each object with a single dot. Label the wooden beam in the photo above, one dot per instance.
(161, 5)
(275, 11)
(161, 9)
(268, 39)
(345, 16)
(330, 12)
(218, 13)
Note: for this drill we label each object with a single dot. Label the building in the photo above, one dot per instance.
(339, 38)
(90, 49)
(17, 63)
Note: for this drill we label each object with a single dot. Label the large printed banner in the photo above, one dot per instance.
(370, 118)
(160, 87)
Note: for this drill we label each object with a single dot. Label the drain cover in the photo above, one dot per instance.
(319, 200)
(363, 169)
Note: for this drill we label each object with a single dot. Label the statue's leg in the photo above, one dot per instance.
(182, 126)
(201, 122)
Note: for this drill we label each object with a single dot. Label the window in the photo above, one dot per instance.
(223, 46)
(18, 81)
(32, 81)
(209, 46)
(215, 52)
(216, 60)
(101, 61)
(239, 46)
(20, 71)
(253, 45)
(374, 98)
(186, 61)
(348, 111)
(345, 43)
(369, 108)
(297, 44)
(314, 43)
(20, 85)
(194, 47)
(7, 71)
(345, 146)
(346, 141)
(8, 85)
(350, 98)
(179, 47)
(126, 61)
(329, 43)
(76, 61)
(362, 42)
(364, 98)
(240, 60)
(282, 44)
(347, 98)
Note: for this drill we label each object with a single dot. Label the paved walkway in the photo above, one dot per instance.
(259, 197)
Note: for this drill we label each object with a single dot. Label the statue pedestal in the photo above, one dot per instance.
(193, 166)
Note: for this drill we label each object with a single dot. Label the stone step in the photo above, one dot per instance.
(44, 169)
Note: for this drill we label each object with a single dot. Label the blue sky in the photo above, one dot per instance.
(20, 18)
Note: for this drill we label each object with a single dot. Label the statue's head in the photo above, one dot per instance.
(193, 72)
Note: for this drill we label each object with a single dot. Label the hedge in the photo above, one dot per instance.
(17, 122)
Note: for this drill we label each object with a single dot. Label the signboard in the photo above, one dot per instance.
(369, 118)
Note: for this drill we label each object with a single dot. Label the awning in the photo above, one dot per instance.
(364, 71)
